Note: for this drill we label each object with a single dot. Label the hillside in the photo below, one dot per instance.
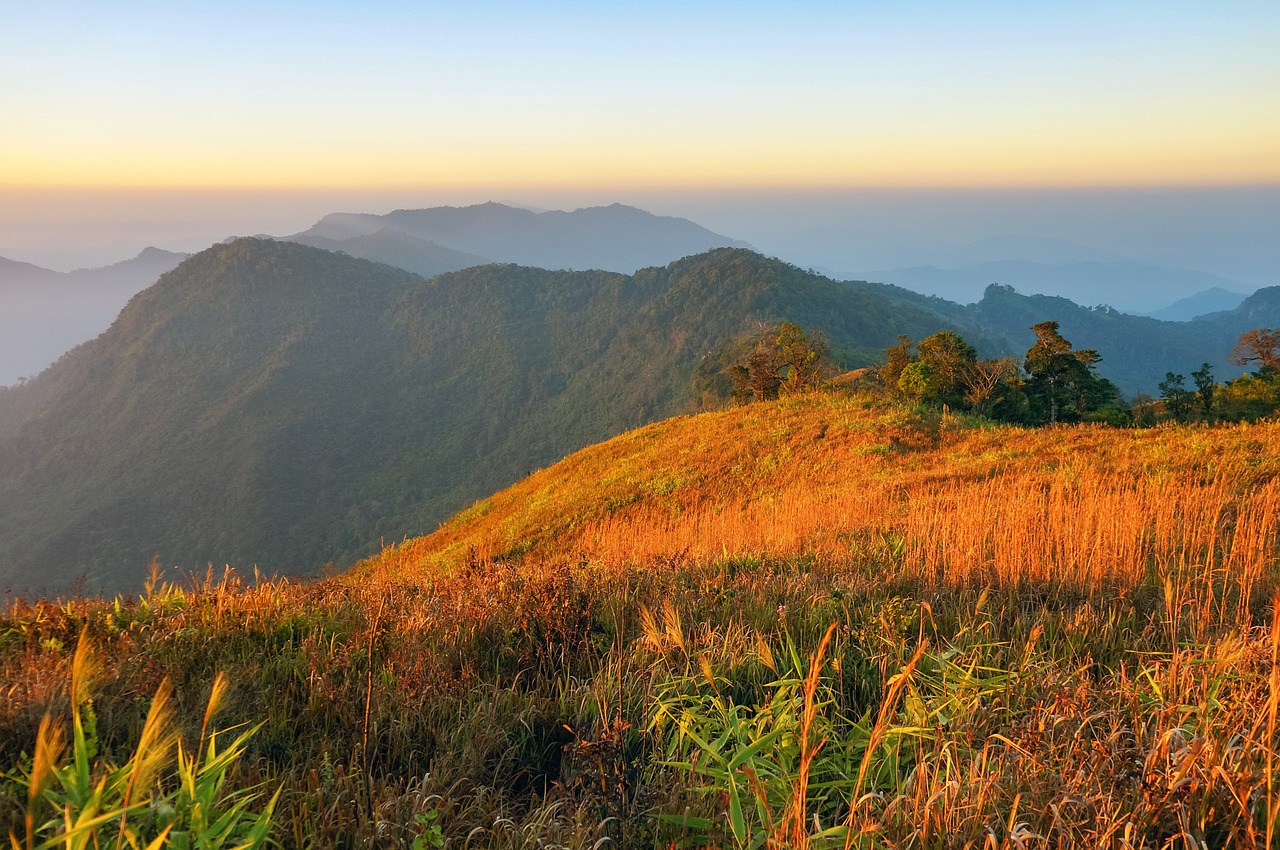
(272, 404)
(615, 238)
(789, 622)
(44, 314)
(824, 476)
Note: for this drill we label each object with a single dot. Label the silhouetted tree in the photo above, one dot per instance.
(1061, 378)
(1206, 387)
(1177, 399)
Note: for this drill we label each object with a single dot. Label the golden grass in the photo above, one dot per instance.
(832, 478)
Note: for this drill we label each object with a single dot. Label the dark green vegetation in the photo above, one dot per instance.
(1053, 383)
(1136, 351)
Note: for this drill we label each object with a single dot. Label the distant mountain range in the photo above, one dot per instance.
(44, 313)
(1215, 300)
(1126, 286)
(614, 238)
(275, 404)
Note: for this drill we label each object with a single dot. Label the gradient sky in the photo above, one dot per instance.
(589, 94)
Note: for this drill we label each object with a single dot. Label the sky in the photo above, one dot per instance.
(131, 123)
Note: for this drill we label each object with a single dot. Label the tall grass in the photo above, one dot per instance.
(154, 798)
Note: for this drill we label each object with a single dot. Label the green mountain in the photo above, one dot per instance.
(272, 404)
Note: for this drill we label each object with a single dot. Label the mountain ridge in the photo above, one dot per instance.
(45, 313)
(1086, 282)
(612, 238)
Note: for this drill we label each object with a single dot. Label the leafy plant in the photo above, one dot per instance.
(85, 801)
(782, 769)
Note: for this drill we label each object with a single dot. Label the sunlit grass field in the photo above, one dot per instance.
(820, 622)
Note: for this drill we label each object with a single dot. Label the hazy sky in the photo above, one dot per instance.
(115, 112)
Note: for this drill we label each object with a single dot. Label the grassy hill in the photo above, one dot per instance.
(829, 477)
(818, 623)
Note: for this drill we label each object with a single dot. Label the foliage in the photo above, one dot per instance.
(1061, 382)
(1178, 400)
(1059, 385)
(785, 361)
(86, 802)
(1259, 345)
(1206, 388)
(938, 374)
(1139, 350)
(1251, 397)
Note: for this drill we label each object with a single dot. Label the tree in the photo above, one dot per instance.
(1062, 381)
(899, 358)
(740, 379)
(784, 360)
(1206, 386)
(1251, 397)
(1143, 411)
(802, 358)
(1260, 345)
(984, 380)
(1177, 399)
(763, 371)
(944, 357)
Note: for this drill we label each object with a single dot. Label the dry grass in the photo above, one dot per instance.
(829, 477)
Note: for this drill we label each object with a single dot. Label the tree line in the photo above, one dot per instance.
(1053, 382)
(1252, 396)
